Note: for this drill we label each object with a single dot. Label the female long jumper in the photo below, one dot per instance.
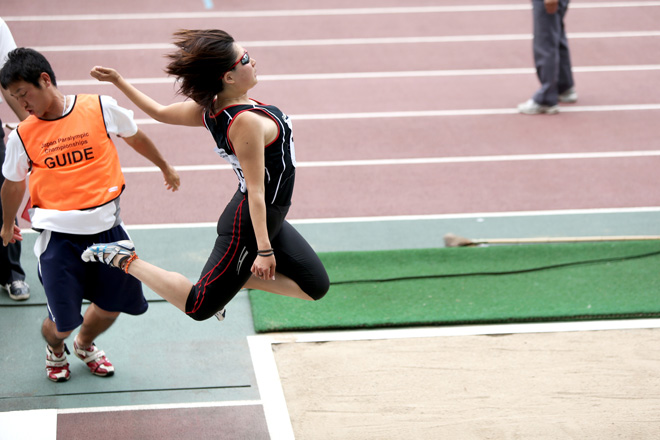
(256, 247)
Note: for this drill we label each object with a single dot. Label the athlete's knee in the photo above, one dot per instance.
(318, 289)
(200, 309)
(197, 316)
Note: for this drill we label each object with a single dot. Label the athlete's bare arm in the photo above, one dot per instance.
(187, 113)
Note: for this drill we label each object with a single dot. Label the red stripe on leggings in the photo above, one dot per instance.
(205, 280)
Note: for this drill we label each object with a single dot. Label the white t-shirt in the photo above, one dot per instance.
(118, 121)
(7, 44)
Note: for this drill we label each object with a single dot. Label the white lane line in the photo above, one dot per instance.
(384, 75)
(161, 406)
(463, 112)
(467, 330)
(270, 388)
(318, 12)
(442, 113)
(477, 215)
(350, 41)
(421, 161)
(407, 218)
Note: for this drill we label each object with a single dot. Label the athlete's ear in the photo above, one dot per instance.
(44, 78)
(228, 77)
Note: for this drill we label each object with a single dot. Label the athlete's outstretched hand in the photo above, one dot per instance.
(105, 74)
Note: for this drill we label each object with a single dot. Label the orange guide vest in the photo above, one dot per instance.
(75, 164)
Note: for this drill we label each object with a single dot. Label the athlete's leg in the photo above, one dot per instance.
(171, 286)
(281, 285)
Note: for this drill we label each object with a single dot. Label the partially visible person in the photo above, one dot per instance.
(552, 59)
(75, 183)
(12, 275)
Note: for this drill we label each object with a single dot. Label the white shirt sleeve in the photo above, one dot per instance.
(118, 120)
(7, 44)
(17, 165)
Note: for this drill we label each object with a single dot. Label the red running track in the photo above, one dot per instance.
(325, 191)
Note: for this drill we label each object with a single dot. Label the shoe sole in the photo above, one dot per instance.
(549, 111)
(59, 379)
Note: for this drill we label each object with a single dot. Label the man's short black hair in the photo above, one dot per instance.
(27, 65)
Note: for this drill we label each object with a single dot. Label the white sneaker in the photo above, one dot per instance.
(531, 107)
(106, 252)
(569, 96)
(220, 315)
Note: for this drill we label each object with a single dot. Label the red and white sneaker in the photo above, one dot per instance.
(57, 367)
(95, 359)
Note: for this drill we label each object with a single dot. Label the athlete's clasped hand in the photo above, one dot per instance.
(264, 267)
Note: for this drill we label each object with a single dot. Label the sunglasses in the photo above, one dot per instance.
(243, 60)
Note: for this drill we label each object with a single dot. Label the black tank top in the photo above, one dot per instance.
(280, 156)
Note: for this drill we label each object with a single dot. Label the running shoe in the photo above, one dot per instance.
(57, 367)
(95, 359)
(221, 314)
(106, 252)
(18, 290)
(531, 107)
(570, 96)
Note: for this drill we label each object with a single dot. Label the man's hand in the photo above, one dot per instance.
(172, 180)
(10, 234)
(551, 6)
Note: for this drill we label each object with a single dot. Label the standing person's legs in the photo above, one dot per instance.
(547, 33)
(10, 256)
(565, 80)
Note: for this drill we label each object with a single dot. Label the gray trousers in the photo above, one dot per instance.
(551, 54)
(10, 264)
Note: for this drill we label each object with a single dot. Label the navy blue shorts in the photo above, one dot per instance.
(67, 279)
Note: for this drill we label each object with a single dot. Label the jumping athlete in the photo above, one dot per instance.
(256, 247)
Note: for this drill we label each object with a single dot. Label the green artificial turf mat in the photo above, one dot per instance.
(492, 284)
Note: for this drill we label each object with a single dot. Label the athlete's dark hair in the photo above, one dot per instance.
(202, 58)
(27, 65)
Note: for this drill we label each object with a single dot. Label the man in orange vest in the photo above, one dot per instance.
(75, 184)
